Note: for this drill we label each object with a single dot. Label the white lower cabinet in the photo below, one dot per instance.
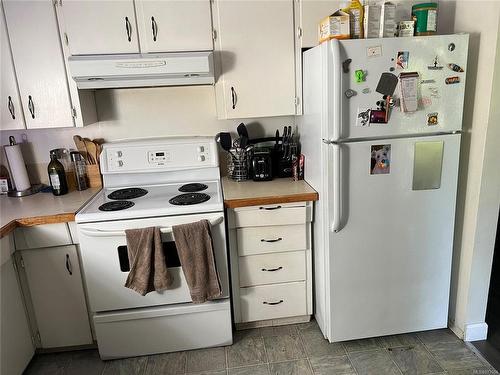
(16, 346)
(271, 263)
(58, 300)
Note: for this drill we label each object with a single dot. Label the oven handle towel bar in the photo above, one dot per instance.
(106, 233)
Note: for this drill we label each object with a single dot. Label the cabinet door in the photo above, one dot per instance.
(39, 63)
(311, 13)
(255, 49)
(174, 25)
(11, 111)
(100, 27)
(56, 288)
(16, 347)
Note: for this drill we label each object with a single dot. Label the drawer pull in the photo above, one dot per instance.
(271, 269)
(275, 240)
(270, 208)
(273, 303)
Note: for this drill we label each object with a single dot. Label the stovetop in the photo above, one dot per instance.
(153, 200)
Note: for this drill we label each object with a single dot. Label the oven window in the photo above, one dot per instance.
(169, 249)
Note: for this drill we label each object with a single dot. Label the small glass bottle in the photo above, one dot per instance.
(80, 170)
(57, 175)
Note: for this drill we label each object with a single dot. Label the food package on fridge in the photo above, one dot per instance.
(388, 20)
(355, 11)
(371, 21)
(335, 26)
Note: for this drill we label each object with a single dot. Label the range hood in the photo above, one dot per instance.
(142, 70)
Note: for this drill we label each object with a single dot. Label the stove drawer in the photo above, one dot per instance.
(272, 268)
(146, 331)
(276, 214)
(271, 239)
(273, 301)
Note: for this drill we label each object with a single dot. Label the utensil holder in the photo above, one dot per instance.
(94, 175)
(238, 166)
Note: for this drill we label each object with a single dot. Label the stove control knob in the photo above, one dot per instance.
(201, 158)
(201, 148)
(118, 154)
(119, 163)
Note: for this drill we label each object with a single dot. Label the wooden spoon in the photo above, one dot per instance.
(92, 150)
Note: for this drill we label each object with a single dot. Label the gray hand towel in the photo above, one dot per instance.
(148, 268)
(196, 253)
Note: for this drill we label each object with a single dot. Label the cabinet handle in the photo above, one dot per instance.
(31, 106)
(128, 27)
(68, 265)
(154, 27)
(233, 97)
(273, 303)
(11, 108)
(270, 208)
(275, 240)
(271, 269)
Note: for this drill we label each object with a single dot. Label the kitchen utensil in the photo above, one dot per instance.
(242, 130)
(225, 141)
(91, 150)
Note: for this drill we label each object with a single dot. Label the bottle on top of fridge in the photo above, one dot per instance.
(57, 175)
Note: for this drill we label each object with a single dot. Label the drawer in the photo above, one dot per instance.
(46, 235)
(273, 301)
(278, 214)
(261, 240)
(272, 268)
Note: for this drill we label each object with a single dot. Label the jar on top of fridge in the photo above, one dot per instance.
(425, 16)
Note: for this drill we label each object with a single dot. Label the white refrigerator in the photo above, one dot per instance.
(381, 138)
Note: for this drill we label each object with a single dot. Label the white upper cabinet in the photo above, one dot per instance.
(11, 111)
(311, 13)
(39, 63)
(255, 52)
(100, 27)
(174, 25)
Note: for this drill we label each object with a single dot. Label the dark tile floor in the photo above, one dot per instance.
(288, 350)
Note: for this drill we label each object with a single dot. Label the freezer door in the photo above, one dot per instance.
(440, 105)
(390, 260)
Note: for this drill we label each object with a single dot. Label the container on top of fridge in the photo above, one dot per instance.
(425, 16)
(335, 26)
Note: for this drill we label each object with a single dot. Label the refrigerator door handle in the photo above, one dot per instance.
(336, 227)
(337, 96)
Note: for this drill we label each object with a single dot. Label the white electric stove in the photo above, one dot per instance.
(153, 182)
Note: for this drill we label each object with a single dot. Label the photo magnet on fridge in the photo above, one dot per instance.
(432, 119)
(402, 60)
(363, 117)
(380, 162)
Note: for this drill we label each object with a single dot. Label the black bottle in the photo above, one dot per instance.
(57, 176)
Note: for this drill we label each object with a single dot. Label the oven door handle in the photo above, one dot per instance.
(120, 233)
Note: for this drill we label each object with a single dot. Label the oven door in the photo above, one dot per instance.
(106, 266)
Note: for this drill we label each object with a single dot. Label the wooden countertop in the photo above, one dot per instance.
(279, 190)
(41, 208)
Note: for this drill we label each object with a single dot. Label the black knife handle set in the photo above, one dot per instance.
(286, 152)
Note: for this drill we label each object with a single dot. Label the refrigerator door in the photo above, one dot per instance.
(428, 56)
(390, 259)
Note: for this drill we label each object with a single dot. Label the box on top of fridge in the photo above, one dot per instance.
(335, 26)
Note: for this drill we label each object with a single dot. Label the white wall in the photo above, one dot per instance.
(478, 198)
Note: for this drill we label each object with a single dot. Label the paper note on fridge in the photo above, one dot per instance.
(408, 84)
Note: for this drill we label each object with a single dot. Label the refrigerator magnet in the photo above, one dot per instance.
(435, 65)
(359, 76)
(380, 162)
(402, 60)
(452, 80)
(363, 117)
(455, 68)
(432, 119)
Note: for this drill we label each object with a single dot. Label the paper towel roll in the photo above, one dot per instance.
(17, 167)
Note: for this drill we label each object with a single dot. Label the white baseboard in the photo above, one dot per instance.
(475, 332)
